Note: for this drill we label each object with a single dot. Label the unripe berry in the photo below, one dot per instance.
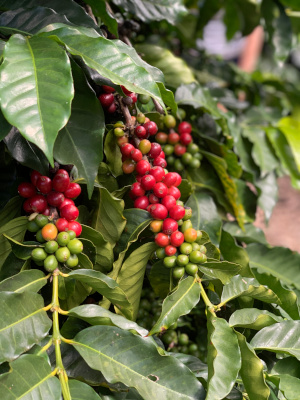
(141, 202)
(122, 140)
(156, 226)
(128, 166)
(190, 235)
(186, 158)
(169, 121)
(140, 118)
(169, 226)
(144, 146)
(162, 240)
(118, 132)
(161, 137)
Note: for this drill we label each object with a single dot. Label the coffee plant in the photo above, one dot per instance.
(130, 267)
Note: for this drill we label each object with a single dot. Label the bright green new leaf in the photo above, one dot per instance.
(32, 281)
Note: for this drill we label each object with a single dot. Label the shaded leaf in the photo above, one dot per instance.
(101, 10)
(253, 318)
(22, 250)
(82, 391)
(159, 277)
(223, 270)
(268, 194)
(11, 266)
(31, 280)
(11, 210)
(113, 154)
(250, 234)
(290, 128)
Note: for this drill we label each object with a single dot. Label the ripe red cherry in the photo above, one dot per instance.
(170, 250)
(112, 108)
(151, 127)
(158, 173)
(62, 224)
(69, 212)
(44, 184)
(106, 99)
(153, 199)
(179, 179)
(133, 97)
(161, 137)
(159, 162)
(46, 211)
(142, 167)
(138, 178)
(136, 155)
(168, 201)
(141, 202)
(169, 226)
(158, 211)
(175, 192)
(173, 138)
(184, 127)
(141, 132)
(73, 191)
(26, 189)
(55, 198)
(38, 203)
(179, 150)
(162, 240)
(170, 179)
(126, 91)
(177, 238)
(162, 154)
(160, 190)
(148, 182)
(108, 89)
(126, 149)
(128, 166)
(66, 202)
(34, 176)
(76, 227)
(137, 190)
(177, 212)
(27, 206)
(186, 139)
(155, 150)
(61, 181)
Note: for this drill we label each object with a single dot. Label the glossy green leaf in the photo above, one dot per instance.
(283, 337)
(80, 141)
(16, 230)
(11, 266)
(271, 260)
(224, 362)
(41, 65)
(72, 294)
(253, 318)
(290, 128)
(242, 286)
(30, 377)
(82, 391)
(178, 303)
(268, 194)
(108, 218)
(223, 270)
(113, 154)
(105, 286)
(287, 365)
(205, 215)
(252, 371)
(11, 210)
(127, 362)
(250, 234)
(32, 280)
(96, 315)
(156, 10)
(22, 250)
(159, 278)
(289, 386)
(131, 276)
(23, 313)
(101, 10)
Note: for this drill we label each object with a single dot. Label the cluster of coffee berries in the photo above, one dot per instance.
(45, 195)
(58, 247)
(108, 101)
(178, 147)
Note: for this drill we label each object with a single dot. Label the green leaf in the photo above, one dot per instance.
(288, 385)
(32, 280)
(113, 154)
(250, 234)
(290, 128)
(105, 286)
(80, 141)
(16, 230)
(155, 10)
(30, 377)
(159, 277)
(11, 266)
(23, 313)
(82, 391)
(96, 315)
(41, 65)
(5, 127)
(22, 250)
(271, 260)
(283, 337)
(104, 56)
(223, 270)
(287, 365)
(253, 318)
(101, 10)
(127, 361)
(11, 210)
(131, 276)
(205, 215)
(224, 362)
(252, 371)
(178, 303)
(242, 286)
(72, 294)
(268, 194)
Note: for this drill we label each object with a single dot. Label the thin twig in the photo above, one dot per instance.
(90, 12)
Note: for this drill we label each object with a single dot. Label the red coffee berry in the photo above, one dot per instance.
(184, 127)
(128, 166)
(121, 140)
(126, 91)
(44, 184)
(162, 154)
(141, 132)
(141, 202)
(158, 211)
(136, 155)
(73, 191)
(76, 227)
(133, 97)
(170, 179)
(137, 190)
(161, 137)
(186, 139)
(26, 189)
(27, 206)
(142, 167)
(61, 181)
(169, 226)
(34, 176)
(126, 149)
(62, 224)
(55, 198)
(168, 201)
(179, 179)
(46, 211)
(160, 190)
(66, 202)
(158, 173)
(177, 239)
(148, 182)
(106, 99)
(112, 108)
(170, 250)
(179, 150)
(155, 150)
(177, 212)
(139, 178)
(108, 89)
(153, 199)
(145, 146)
(175, 192)
(173, 138)
(69, 212)
(159, 162)
(162, 240)
(151, 127)
(38, 203)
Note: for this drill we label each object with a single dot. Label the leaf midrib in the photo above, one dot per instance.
(21, 320)
(264, 267)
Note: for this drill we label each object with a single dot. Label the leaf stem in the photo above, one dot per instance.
(208, 303)
(45, 348)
